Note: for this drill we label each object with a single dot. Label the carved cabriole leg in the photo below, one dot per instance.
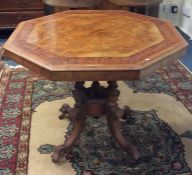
(112, 98)
(113, 114)
(96, 101)
(114, 126)
(78, 116)
(79, 95)
(65, 109)
(113, 94)
(61, 150)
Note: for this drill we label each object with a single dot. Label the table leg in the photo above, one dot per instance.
(96, 101)
(78, 117)
(79, 94)
(114, 126)
(61, 150)
(113, 114)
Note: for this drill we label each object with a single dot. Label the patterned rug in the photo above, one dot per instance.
(1, 61)
(161, 127)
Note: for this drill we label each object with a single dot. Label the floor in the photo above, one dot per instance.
(186, 60)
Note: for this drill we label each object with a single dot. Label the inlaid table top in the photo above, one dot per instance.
(95, 45)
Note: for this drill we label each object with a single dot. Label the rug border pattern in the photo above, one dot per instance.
(23, 151)
(179, 93)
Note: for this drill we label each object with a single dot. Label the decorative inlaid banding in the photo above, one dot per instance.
(99, 42)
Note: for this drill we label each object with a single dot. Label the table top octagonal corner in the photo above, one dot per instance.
(95, 45)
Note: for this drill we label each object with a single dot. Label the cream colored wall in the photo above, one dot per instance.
(179, 20)
(174, 18)
(188, 2)
(186, 22)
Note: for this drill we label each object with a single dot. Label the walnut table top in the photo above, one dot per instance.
(94, 45)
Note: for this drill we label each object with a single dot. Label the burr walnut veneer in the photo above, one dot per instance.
(95, 45)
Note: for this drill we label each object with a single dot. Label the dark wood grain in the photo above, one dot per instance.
(21, 5)
(13, 12)
(95, 45)
(11, 19)
(95, 101)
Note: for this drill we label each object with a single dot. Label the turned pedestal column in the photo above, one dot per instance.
(95, 101)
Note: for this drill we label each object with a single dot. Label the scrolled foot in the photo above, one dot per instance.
(88, 173)
(65, 109)
(114, 126)
(62, 116)
(55, 160)
(59, 153)
(128, 112)
(128, 115)
(65, 116)
(134, 153)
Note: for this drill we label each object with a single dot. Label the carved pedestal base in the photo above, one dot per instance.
(95, 101)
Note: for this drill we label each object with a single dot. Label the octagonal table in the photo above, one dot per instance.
(95, 45)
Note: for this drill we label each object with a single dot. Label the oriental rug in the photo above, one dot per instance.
(1, 62)
(160, 127)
